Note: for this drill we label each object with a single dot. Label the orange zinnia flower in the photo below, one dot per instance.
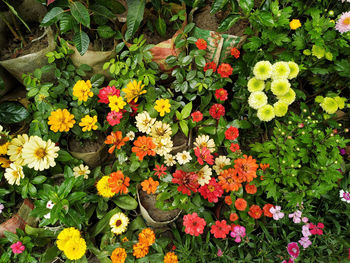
(116, 138)
(250, 189)
(266, 210)
(264, 166)
(143, 146)
(140, 250)
(246, 168)
(149, 185)
(118, 183)
(147, 237)
(229, 180)
(228, 200)
(255, 211)
(118, 255)
(241, 204)
(233, 217)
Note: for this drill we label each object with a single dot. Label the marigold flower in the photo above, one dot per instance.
(162, 106)
(104, 94)
(234, 217)
(217, 111)
(225, 70)
(140, 250)
(294, 24)
(210, 65)
(61, 120)
(228, 200)
(194, 225)
(149, 185)
(221, 94)
(235, 52)
(197, 116)
(201, 43)
(144, 146)
(117, 140)
(147, 237)
(88, 123)
(187, 181)
(266, 210)
(231, 133)
(103, 188)
(240, 204)
(116, 103)
(220, 229)
(246, 168)
(211, 191)
(170, 257)
(118, 255)
(75, 248)
(262, 70)
(250, 189)
(255, 211)
(82, 90)
(229, 180)
(118, 183)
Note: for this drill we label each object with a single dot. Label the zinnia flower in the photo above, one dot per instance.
(118, 255)
(183, 157)
(266, 113)
(293, 249)
(103, 188)
(221, 94)
(169, 160)
(147, 237)
(18, 247)
(234, 147)
(133, 91)
(118, 183)
(140, 250)
(194, 225)
(144, 122)
(162, 106)
(211, 191)
(82, 90)
(118, 223)
(203, 154)
(255, 211)
(161, 130)
(143, 146)
(114, 117)
(88, 123)
(220, 229)
(255, 84)
(246, 168)
(228, 201)
(250, 189)
(231, 133)
(343, 24)
(220, 163)
(266, 210)
(187, 181)
(14, 174)
(210, 65)
(201, 43)
(217, 111)
(294, 24)
(149, 185)
(204, 175)
(225, 70)
(262, 70)
(240, 204)
(235, 52)
(104, 94)
(205, 141)
(170, 257)
(160, 170)
(117, 140)
(257, 100)
(81, 170)
(238, 233)
(116, 103)
(234, 217)
(197, 116)
(229, 180)
(61, 120)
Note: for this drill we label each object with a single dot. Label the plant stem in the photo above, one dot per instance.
(9, 26)
(18, 29)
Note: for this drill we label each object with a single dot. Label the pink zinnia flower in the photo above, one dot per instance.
(305, 242)
(293, 249)
(187, 182)
(211, 191)
(238, 233)
(18, 247)
(114, 117)
(203, 154)
(104, 93)
(194, 225)
(343, 24)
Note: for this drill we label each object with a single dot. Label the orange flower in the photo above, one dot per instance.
(246, 168)
(264, 166)
(170, 257)
(255, 211)
(149, 185)
(116, 138)
(118, 255)
(228, 200)
(233, 217)
(125, 239)
(118, 183)
(229, 180)
(147, 237)
(250, 189)
(143, 146)
(241, 204)
(140, 250)
(266, 210)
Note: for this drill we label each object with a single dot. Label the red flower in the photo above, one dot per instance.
(133, 107)
(231, 133)
(210, 65)
(233, 217)
(228, 200)
(201, 43)
(187, 181)
(203, 154)
(240, 204)
(114, 117)
(220, 229)
(266, 210)
(104, 93)
(235, 52)
(225, 70)
(316, 230)
(221, 94)
(216, 111)
(211, 191)
(255, 211)
(250, 189)
(194, 225)
(197, 116)
(234, 147)
(160, 170)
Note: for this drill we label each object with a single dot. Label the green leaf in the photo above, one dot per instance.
(39, 179)
(64, 156)
(66, 23)
(266, 18)
(13, 11)
(184, 127)
(228, 22)
(186, 110)
(101, 14)
(161, 26)
(12, 112)
(135, 15)
(52, 16)
(80, 13)
(188, 28)
(105, 31)
(200, 61)
(81, 41)
(13, 238)
(218, 5)
(246, 5)
(104, 222)
(136, 224)
(119, 47)
(126, 202)
(49, 255)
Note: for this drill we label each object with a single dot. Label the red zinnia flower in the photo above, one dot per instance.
(234, 147)
(220, 229)
(228, 200)
(266, 210)
(221, 94)
(203, 154)
(250, 189)
(114, 117)
(187, 181)
(255, 211)
(225, 70)
(197, 116)
(240, 204)
(231, 133)
(201, 43)
(194, 225)
(235, 52)
(316, 230)
(216, 111)
(104, 93)
(160, 170)
(211, 191)
(233, 217)
(210, 65)
(133, 107)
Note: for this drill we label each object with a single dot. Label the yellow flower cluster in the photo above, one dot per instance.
(162, 106)
(61, 120)
(82, 90)
(294, 24)
(71, 243)
(88, 123)
(133, 91)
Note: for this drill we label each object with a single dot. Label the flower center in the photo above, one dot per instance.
(15, 174)
(346, 21)
(245, 168)
(229, 180)
(346, 196)
(40, 153)
(211, 188)
(118, 223)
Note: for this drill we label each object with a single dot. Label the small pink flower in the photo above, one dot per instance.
(343, 24)
(306, 230)
(305, 242)
(1, 207)
(50, 204)
(18, 247)
(220, 253)
(305, 219)
(293, 249)
(296, 216)
(276, 212)
(289, 261)
(238, 233)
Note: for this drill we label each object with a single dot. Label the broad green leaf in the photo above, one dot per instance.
(39, 179)
(228, 22)
(105, 31)
(186, 110)
(184, 127)
(50, 254)
(246, 5)
(81, 41)
(218, 5)
(126, 202)
(134, 17)
(52, 16)
(161, 26)
(103, 223)
(12, 112)
(66, 22)
(97, 80)
(80, 13)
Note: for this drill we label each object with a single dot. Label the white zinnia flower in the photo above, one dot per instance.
(160, 130)
(169, 160)
(130, 135)
(220, 163)
(183, 157)
(15, 147)
(81, 170)
(204, 175)
(163, 145)
(144, 122)
(14, 174)
(205, 141)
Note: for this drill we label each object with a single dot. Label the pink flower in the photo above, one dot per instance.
(293, 249)
(114, 117)
(343, 24)
(276, 212)
(203, 154)
(221, 94)
(18, 247)
(305, 242)
(160, 170)
(316, 230)
(306, 230)
(238, 233)
(211, 191)
(1, 207)
(194, 225)
(296, 216)
(289, 261)
(104, 93)
(220, 253)
(217, 111)
(305, 219)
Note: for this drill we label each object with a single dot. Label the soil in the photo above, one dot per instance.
(87, 145)
(15, 48)
(149, 203)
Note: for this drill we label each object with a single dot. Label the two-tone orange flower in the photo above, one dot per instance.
(246, 168)
(229, 180)
(147, 237)
(144, 146)
(149, 185)
(117, 140)
(118, 182)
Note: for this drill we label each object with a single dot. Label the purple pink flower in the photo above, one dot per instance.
(238, 233)
(276, 212)
(343, 24)
(296, 216)
(293, 249)
(305, 242)
(344, 195)
(18, 247)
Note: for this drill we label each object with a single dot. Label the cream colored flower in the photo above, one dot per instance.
(15, 147)
(163, 145)
(144, 122)
(183, 157)
(81, 170)
(130, 135)
(14, 174)
(118, 223)
(39, 154)
(205, 141)
(204, 175)
(160, 130)
(169, 160)
(220, 163)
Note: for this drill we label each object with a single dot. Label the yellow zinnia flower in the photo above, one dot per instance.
(88, 123)
(133, 90)
(61, 120)
(75, 248)
(103, 187)
(162, 106)
(4, 162)
(119, 223)
(294, 24)
(65, 235)
(14, 174)
(15, 149)
(116, 103)
(82, 90)
(3, 148)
